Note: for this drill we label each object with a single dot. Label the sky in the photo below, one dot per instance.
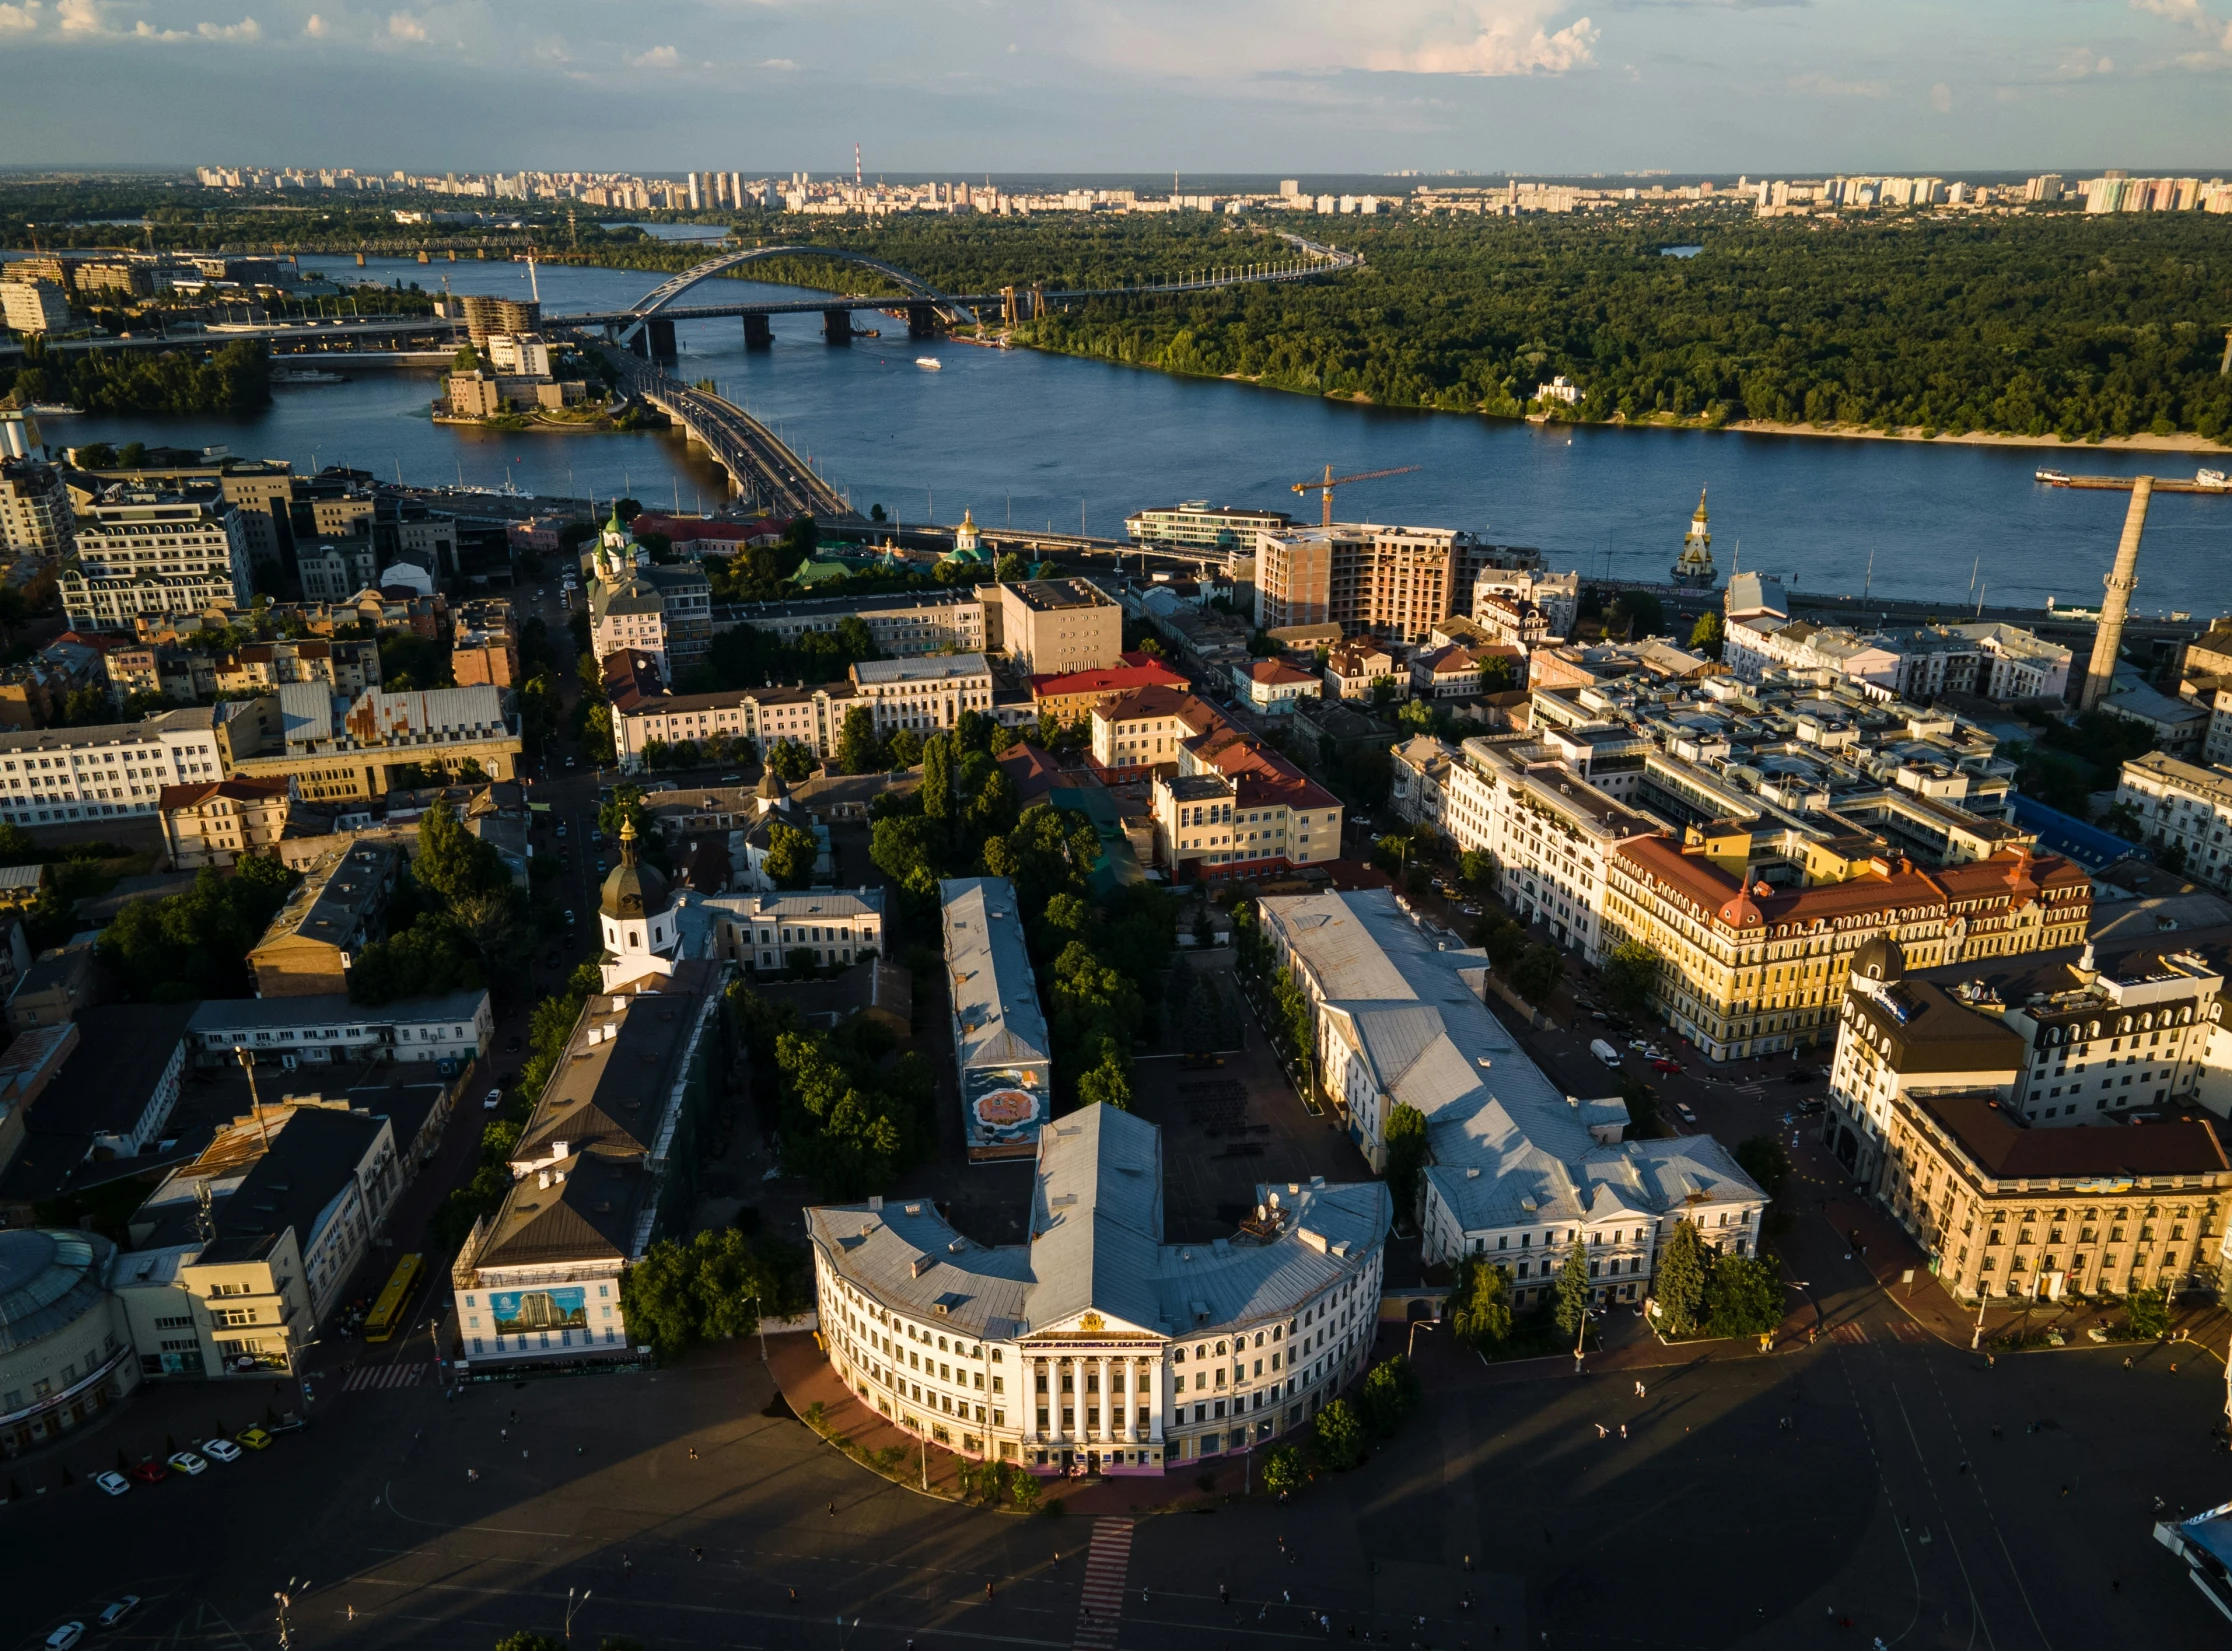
(1256, 86)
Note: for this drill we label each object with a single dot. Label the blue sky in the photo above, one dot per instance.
(966, 86)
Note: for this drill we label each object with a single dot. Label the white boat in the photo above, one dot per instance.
(929, 364)
(2210, 478)
(2055, 478)
(52, 409)
(306, 375)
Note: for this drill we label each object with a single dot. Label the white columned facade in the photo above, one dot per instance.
(1155, 1400)
(1107, 1406)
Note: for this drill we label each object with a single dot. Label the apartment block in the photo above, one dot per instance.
(1053, 626)
(215, 822)
(1389, 584)
(2185, 812)
(810, 717)
(34, 306)
(35, 514)
(52, 776)
(262, 490)
(140, 551)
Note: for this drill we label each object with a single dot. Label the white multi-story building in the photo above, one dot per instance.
(1518, 1173)
(1556, 596)
(1550, 832)
(904, 625)
(2185, 807)
(142, 551)
(924, 694)
(50, 776)
(1097, 1345)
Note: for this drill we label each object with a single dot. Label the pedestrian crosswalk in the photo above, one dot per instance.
(384, 1375)
(1849, 1331)
(1101, 1610)
(1908, 1330)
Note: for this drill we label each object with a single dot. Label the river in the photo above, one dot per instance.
(1037, 440)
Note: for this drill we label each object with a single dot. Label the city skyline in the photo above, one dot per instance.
(1537, 86)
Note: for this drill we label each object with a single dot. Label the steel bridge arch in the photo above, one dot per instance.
(659, 297)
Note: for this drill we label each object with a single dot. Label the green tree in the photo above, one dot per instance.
(1480, 1309)
(1294, 1022)
(452, 863)
(1406, 1158)
(1679, 1288)
(1388, 1394)
(1572, 1298)
(1630, 977)
(1340, 1436)
(1477, 870)
(1284, 1471)
(858, 749)
(525, 1641)
(1707, 635)
(791, 760)
(1743, 1296)
(1109, 1081)
(1538, 974)
(790, 855)
(2149, 1312)
(1763, 1158)
(1635, 614)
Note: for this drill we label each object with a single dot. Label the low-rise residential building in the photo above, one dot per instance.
(1990, 660)
(1355, 670)
(336, 569)
(137, 551)
(1518, 1173)
(295, 1031)
(2184, 812)
(1271, 686)
(924, 694)
(1461, 671)
(1419, 789)
(239, 1258)
(902, 625)
(1000, 1043)
(1096, 1346)
(1050, 627)
(1538, 606)
(484, 647)
(1235, 808)
(761, 930)
(214, 822)
(342, 668)
(1513, 620)
(808, 717)
(338, 909)
(602, 1169)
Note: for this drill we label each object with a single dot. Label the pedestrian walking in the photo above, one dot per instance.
(1639, 1390)
(1623, 1430)
(697, 1553)
(1603, 1432)
(693, 1453)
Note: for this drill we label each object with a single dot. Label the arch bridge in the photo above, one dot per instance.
(648, 324)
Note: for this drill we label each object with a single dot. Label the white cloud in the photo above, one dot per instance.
(246, 29)
(1167, 38)
(2193, 15)
(21, 19)
(1821, 85)
(80, 17)
(778, 63)
(1941, 98)
(403, 26)
(316, 27)
(658, 57)
(1502, 45)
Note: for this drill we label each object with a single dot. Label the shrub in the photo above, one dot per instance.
(1340, 1436)
(1284, 1470)
(1389, 1393)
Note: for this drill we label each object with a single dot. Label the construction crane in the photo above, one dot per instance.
(1324, 487)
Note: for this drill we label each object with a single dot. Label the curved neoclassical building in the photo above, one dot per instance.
(1095, 1343)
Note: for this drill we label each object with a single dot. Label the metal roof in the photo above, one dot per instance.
(996, 1013)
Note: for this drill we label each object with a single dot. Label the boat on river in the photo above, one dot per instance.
(2053, 478)
(929, 364)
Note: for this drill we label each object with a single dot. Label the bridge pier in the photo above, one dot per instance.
(660, 331)
(759, 334)
(837, 327)
(640, 342)
(921, 321)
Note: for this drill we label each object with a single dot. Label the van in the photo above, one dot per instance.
(1605, 1053)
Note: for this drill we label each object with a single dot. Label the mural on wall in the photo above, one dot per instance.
(519, 1311)
(1004, 1107)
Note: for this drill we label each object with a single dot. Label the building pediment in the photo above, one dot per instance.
(1088, 1326)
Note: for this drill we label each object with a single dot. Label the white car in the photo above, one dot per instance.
(186, 1462)
(495, 1100)
(112, 1482)
(221, 1450)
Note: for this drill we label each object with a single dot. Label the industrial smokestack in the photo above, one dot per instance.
(2122, 579)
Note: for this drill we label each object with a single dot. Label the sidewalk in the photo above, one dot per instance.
(804, 1377)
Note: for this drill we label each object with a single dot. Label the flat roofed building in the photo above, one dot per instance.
(50, 776)
(1197, 524)
(288, 1031)
(1391, 584)
(1518, 1172)
(35, 514)
(903, 625)
(808, 717)
(1000, 1043)
(1097, 1346)
(2185, 807)
(141, 550)
(262, 489)
(1054, 626)
(601, 1171)
(924, 694)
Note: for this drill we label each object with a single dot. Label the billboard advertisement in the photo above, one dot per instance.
(519, 1311)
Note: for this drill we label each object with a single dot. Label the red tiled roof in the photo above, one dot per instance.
(1114, 680)
(239, 791)
(1141, 703)
(1270, 672)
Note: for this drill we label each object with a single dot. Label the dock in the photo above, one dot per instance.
(2122, 484)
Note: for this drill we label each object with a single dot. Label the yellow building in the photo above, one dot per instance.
(1750, 966)
(217, 821)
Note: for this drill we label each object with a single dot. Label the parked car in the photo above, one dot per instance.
(150, 1472)
(513, 1045)
(220, 1450)
(1668, 1067)
(65, 1636)
(492, 1100)
(1639, 1046)
(289, 1423)
(561, 828)
(114, 1483)
(596, 834)
(1605, 1053)
(188, 1463)
(1811, 1106)
(1682, 1111)
(117, 1610)
(253, 1438)
(1800, 1074)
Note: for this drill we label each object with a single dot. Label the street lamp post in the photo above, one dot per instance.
(759, 1322)
(573, 1605)
(1410, 1343)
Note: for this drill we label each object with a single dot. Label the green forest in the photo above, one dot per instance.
(2053, 324)
(234, 378)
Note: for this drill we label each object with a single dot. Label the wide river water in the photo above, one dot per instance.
(1042, 440)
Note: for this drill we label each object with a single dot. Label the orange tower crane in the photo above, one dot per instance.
(1324, 486)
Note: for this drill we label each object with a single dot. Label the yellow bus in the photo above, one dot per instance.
(395, 1296)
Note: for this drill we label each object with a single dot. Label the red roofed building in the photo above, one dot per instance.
(217, 821)
(1237, 808)
(697, 537)
(1067, 696)
(1137, 733)
(1749, 967)
(1271, 686)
